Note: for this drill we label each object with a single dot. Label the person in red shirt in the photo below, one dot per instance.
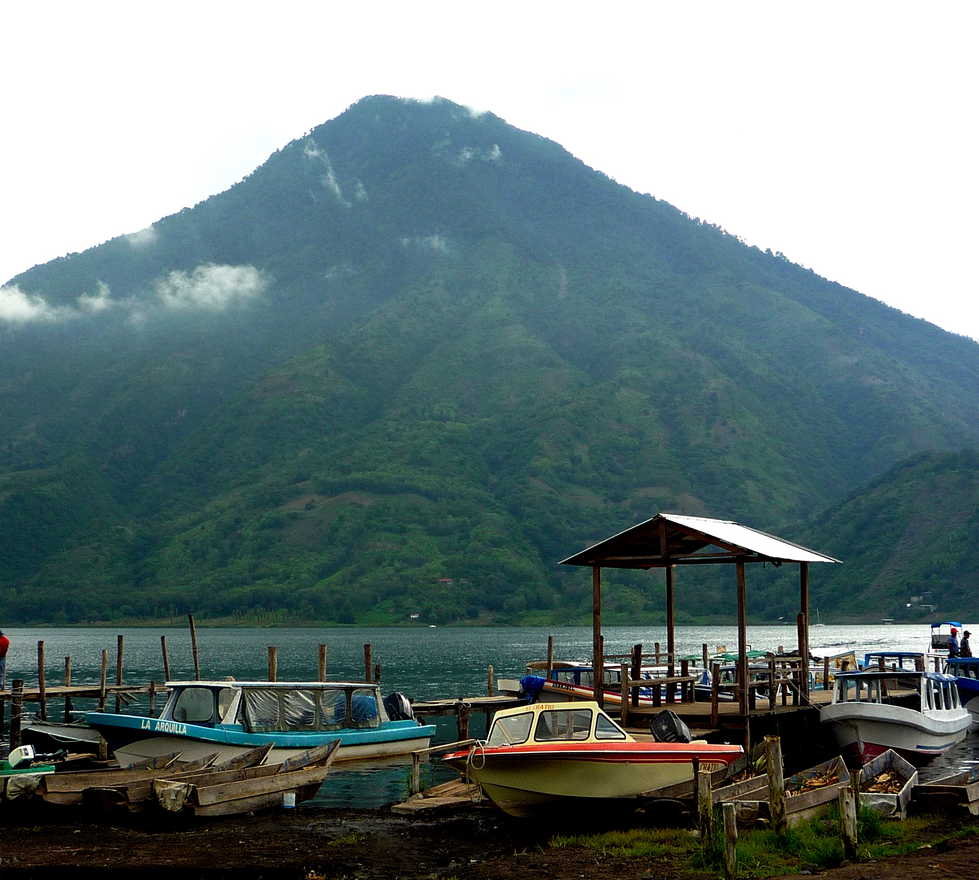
(4, 645)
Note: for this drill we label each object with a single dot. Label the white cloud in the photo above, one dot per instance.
(210, 287)
(17, 307)
(98, 301)
(143, 238)
(434, 242)
(315, 152)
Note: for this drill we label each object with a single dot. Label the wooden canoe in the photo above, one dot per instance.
(807, 795)
(231, 792)
(67, 789)
(133, 796)
(949, 793)
(888, 804)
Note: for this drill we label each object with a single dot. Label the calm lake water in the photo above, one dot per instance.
(423, 662)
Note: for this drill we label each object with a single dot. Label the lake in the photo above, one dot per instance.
(423, 662)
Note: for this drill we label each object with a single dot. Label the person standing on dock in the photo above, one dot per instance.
(4, 645)
(965, 649)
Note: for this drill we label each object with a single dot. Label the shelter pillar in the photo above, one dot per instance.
(670, 623)
(804, 626)
(742, 640)
(598, 660)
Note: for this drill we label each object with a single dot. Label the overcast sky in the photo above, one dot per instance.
(843, 134)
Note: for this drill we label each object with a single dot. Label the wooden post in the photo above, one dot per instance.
(597, 655)
(636, 672)
(771, 685)
(119, 650)
(657, 652)
(103, 677)
(705, 807)
(804, 628)
(686, 689)
(193, 647)
(416, 773)
(16, 711)
(166, 659)
(273, 663)
(776, 783)
(742, 639)
(152, 699)
(801, 627)
(322, 663)
(825, 673)
(42, 691)
(67, 685)
(368, 651)
(670, 627)
(729, 811)
(549, 669)
(624, 712)
(705, 654)
(377, 673)
(462, 720)
(715, 684)
(848, 822)
(490, 686)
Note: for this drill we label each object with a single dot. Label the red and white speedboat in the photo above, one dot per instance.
(916, 713)
(548, 755)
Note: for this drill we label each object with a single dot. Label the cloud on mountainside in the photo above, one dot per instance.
(142, 238)
(206, 288)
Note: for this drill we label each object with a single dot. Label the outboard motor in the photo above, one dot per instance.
(667, 727)
(398, 707)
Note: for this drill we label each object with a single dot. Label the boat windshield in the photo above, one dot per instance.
(201, 705)
(510, 730)
(563, 724)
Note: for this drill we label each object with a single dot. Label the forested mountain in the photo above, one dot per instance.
(415, 359)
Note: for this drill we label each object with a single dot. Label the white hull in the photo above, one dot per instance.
(868, 729)
(190, 749)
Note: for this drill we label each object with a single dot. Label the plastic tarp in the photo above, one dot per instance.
(281, 709)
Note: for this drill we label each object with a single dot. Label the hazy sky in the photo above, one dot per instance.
(844, 134)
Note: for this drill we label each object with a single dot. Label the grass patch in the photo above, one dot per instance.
(808, 846)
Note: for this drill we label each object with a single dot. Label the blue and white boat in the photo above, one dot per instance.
(966, 672)
(231, 717)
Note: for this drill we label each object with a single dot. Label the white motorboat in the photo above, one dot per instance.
(916, 713)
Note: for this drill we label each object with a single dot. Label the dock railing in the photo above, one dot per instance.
(420, 755)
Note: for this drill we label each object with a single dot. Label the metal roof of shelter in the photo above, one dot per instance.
(691, 540)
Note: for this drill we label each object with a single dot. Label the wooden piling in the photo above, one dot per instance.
(273, 652)
(776, 783)
(704, 653)
(16, 711)
(103, 677)
(322, 663)
(729, 811)
(377, 673)
(550, 657)
(636, 670)
(705, 807)
(490, 683)
(656, 651)
(120, 642)
(42, 696)
(715, 684)
(848, 822)
(166, 659)
(462, 719)
(67, 684)
(416, 773)
(625, 696)
(825, 673)
(152, 700)
(193, 647)
(368, 663)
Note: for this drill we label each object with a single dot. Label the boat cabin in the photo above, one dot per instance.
(924, 691)
(962, 667)
(906, 661)
(267, 706)
(940, 633)
(554, 722)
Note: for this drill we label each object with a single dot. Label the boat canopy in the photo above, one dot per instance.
(954, 623)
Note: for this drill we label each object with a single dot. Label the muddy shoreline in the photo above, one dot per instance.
(311, 843)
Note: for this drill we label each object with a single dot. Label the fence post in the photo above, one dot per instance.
(705, 807)
(848, 822)
(776, 783)
(729, 811)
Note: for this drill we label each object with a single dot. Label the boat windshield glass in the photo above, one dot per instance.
(194, 705)
(563, 724)
(606, 728)
(510, 730)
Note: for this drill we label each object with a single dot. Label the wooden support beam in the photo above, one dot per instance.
(193, 647)
(598, 658)
(624, 711)
(636, 670)
(742, 639)
(322, 663)
(166, 659)
(273, 663)
(550, 658)
(670, 627)
(120, 642)
(67, 685)
(41, 683)
(103, 677)
(368, 663)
